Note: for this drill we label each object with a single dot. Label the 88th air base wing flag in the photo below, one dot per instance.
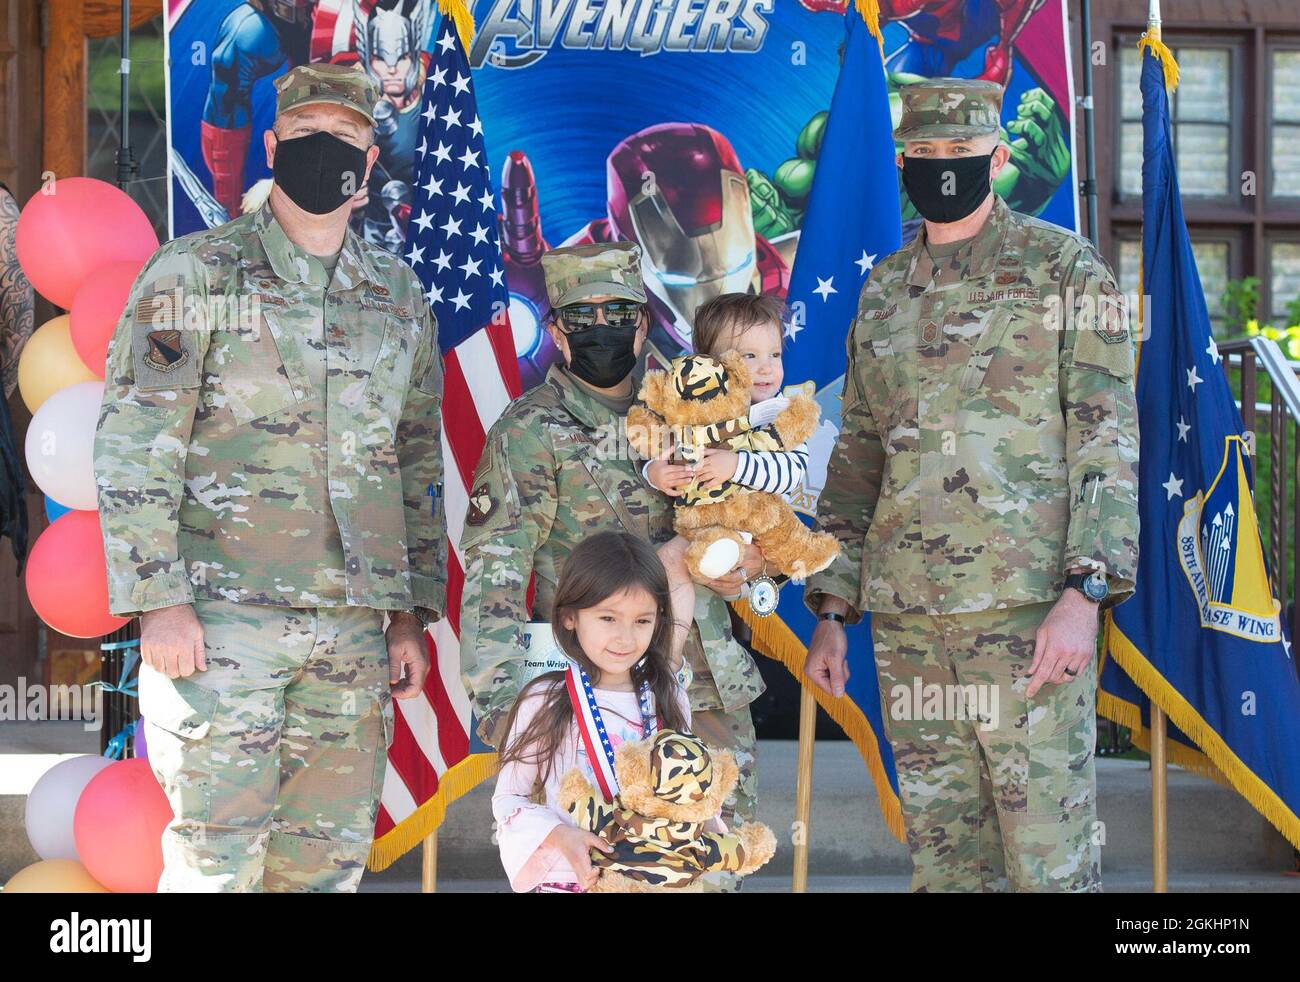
(1202, 637)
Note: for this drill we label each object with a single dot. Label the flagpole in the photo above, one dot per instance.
(1158, 742)
(429, 864)
(803, 785)
(1089, 186)
(1159, 804)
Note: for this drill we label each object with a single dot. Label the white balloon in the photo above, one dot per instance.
(60, 446)
(53, 801)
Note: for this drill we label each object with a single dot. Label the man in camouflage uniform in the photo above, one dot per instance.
(556, 469)
(268, 461)
(984, 490)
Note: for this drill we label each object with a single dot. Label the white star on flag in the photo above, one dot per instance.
(1193, 380)
(476, 347)
(1173, 486)
(1182, 429)
(824, 288)
(866, 263)
(1212, 350)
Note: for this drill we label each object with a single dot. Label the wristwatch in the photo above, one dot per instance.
(830, 615)
(1092, 585)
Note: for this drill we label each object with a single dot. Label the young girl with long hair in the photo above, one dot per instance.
(612, 620)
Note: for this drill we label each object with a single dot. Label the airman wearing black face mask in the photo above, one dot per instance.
(269, 434)
(556, 469)
(984, 491)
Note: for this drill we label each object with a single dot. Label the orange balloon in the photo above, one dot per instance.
(49, 362)
(54, 876)
(97, 308)
(119, 824)
(67, 581)
(73, 226)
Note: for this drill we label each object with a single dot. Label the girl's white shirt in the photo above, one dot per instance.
(523, 823)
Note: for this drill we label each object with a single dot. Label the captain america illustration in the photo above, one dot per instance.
(253, 40)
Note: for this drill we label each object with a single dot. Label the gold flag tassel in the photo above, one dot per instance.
(1160, 51)
(460, 15)
(869, 10)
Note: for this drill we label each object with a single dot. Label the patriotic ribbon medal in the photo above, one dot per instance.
(591, 726)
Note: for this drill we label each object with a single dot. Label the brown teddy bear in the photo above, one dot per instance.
(669, 786)
(703, 402)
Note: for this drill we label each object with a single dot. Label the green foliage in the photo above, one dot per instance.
(1240, 304)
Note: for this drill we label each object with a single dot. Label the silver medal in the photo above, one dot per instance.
(763, 595)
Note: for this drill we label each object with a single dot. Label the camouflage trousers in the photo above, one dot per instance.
(998, 792)
(273, 758)
(733, 732)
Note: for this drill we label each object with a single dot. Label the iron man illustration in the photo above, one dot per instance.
(679, 191)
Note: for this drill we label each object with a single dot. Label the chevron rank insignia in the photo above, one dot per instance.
(166, 352)
(481, 505)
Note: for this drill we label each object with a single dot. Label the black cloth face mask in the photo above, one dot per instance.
(317, 170)
(602, 355)
(965, 179)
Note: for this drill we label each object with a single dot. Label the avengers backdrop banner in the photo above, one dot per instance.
(690, 126)
(693, 127)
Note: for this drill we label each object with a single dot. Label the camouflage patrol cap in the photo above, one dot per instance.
(610, 269)
(943, 108)
(348, 86)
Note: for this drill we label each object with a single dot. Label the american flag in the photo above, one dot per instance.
(452, 244)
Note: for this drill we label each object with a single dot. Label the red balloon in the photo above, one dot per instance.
(67, 581)
(118, 827)
(83, 224)
(96, 309)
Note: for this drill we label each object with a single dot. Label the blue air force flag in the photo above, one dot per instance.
(852, 220)
(1202, 636)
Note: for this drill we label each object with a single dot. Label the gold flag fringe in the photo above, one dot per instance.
(1160, 51)
(869, 10)
(460, 15)
(460, 779)
(1217, 755)
(773, 638)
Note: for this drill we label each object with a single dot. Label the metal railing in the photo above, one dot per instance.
(1276, 470)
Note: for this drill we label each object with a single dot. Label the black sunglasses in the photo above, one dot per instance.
(581, 316)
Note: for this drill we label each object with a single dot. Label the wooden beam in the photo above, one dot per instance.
(64, 144)
(103, 19)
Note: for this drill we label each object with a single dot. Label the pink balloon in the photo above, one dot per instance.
(67, 581)
(83, 224)
(119, 824)
(96, 309)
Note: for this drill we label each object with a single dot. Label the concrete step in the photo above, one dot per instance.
(1211, 828)
(1214, 835)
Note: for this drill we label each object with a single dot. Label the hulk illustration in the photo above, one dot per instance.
(1040, 161)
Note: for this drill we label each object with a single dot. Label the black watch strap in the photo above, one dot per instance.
(830, 615)
(1092, 585)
